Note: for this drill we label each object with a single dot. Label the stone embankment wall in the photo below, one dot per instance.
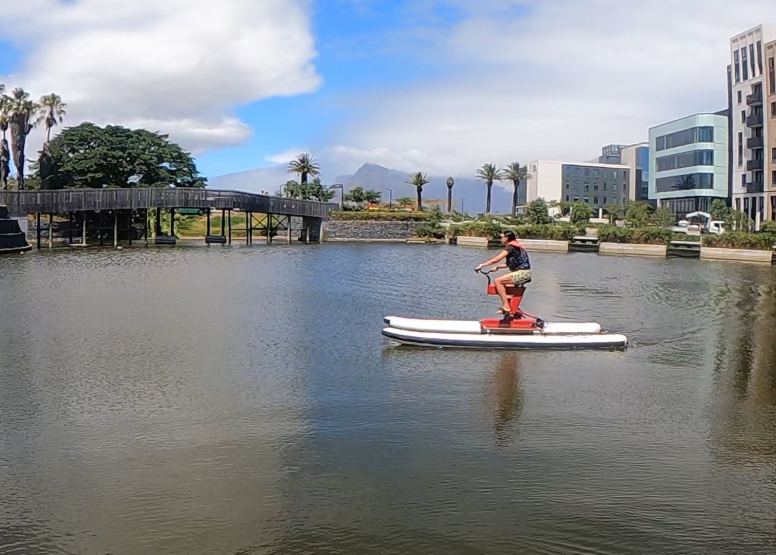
(370, 231)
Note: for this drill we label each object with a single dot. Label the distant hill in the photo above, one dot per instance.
(372, 176)
(470, 190)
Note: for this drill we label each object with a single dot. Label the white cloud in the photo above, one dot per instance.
(175, 66)
(560, 81)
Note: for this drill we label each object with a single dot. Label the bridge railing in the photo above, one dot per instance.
(80, 200)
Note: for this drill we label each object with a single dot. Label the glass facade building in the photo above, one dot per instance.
(688, 163)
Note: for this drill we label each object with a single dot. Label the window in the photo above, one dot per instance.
(745, 65)
(684, 182)
(576, 199)
(587, 172)
(604, 186)
(737, 66)
(567, 198)
(772, 75)
(587, 187)
(567, 186)
(596, 173)
(739, 97)
(740, 149)
(743, 180)
(685, 160)
(587, 200)
(595, 187)
(751, 59)
(595, 200)
(687, 136)
(773, 180)
(743, 116)
(576, 171)
(759, 57)
(614, 187)
(738, 205)
(773, 154)
(773, 109)
(614, 174)
(604, 201)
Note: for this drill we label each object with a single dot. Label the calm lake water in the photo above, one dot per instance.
(242, 401)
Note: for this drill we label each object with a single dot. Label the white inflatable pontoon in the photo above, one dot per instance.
(472, 334)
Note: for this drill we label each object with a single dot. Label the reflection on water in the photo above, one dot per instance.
(508, 396)
(241, 400)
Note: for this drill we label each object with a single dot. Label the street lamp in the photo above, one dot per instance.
(342, 196)
(450, 183)
(462, 210)
(390, 197)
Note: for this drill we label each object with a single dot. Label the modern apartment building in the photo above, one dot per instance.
(688, 162)
(770, 129)
(597, 184)
(751, 127)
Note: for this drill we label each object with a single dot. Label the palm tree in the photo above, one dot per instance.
(515, 173)
(5, 152)
(489, 173)
(419, 180)
(305, 165)
(50, 112)
(21, 110)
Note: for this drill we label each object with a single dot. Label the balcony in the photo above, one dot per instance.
(754, 187)
(755, 143)
(755, 165)
(755, 99)
(755, 120)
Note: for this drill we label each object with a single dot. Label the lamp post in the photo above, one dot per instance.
(341, 187)
(450, 183)
(462, 210)
(390, 197)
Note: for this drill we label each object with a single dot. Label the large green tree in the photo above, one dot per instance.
(89, 156)
(308, 191)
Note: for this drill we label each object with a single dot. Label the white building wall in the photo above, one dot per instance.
(752, 41)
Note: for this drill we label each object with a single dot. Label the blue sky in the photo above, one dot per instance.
(440, 86)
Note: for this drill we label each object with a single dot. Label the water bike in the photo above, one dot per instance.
(515, 330)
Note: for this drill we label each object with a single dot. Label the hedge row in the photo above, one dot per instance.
(741, 240)
(380, 215)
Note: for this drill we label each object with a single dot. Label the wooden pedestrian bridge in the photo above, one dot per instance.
(129, 211)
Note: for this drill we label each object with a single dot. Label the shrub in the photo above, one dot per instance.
(476, 229)
(537, 212)
(580, 213)
(768, 227)
(741, 240)
(380, 215)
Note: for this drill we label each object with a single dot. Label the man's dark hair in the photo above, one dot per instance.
(510, 235)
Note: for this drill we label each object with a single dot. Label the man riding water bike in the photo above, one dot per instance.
(517, 262)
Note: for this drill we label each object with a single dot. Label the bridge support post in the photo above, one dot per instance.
(158, 230)
(145, 231)
(223, 222)
(130, 227)
(288, 229)
(51, 232)
(172, 222)
(70, 228)
(269, 229)
(83, 236)
(230, 226)
(115, 229)
(37, 228)
(248, 230)
(207, 233)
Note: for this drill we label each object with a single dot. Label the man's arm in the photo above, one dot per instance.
(499, 257)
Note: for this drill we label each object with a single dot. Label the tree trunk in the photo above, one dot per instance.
(48, 134)
(18, 140)
(487, 200)
(450, 200)
(514, 198)
(420, 198)
(304, 177)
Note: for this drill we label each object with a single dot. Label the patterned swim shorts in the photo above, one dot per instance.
(521, 276)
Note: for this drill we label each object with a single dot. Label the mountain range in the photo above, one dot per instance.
(467, 190)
